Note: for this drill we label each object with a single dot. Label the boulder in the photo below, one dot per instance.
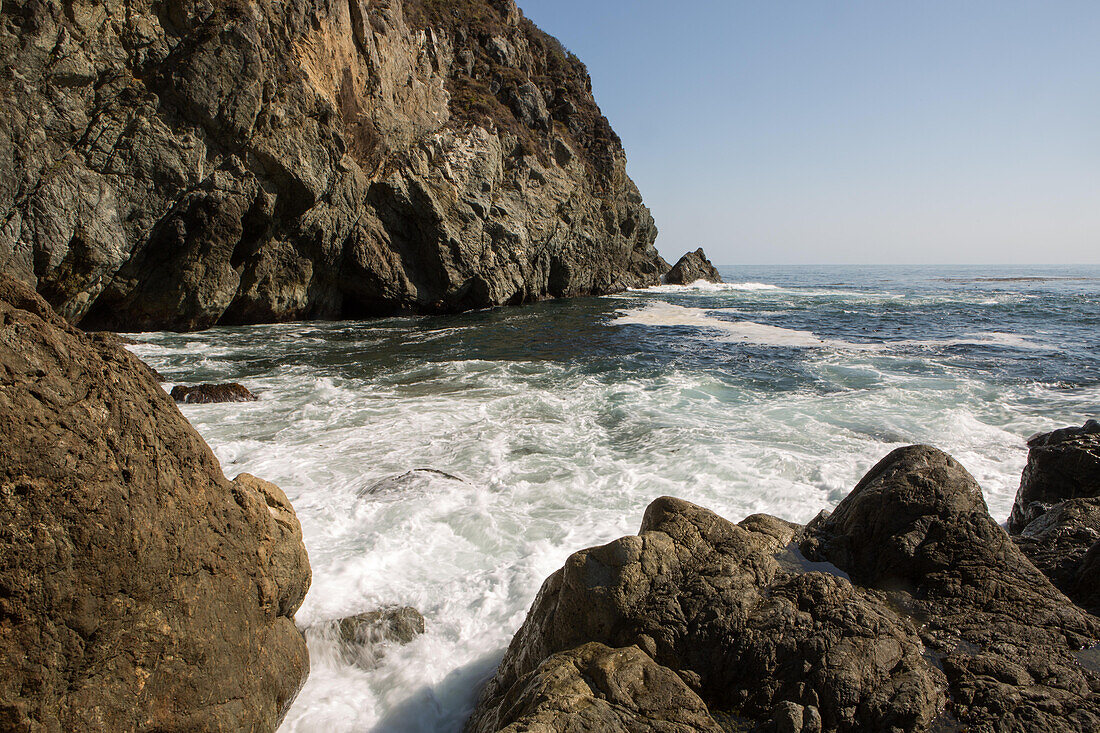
(1063, 464)
(692, 267)
(142, 590)
(917, 528)
(206, 393)
(906, 609)
(1056, 517)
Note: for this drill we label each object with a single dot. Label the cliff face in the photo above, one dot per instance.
(186, 163)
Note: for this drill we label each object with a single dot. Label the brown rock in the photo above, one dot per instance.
(1063, 464)
(206, 393)
(141, 590)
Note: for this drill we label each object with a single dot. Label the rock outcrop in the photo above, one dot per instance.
(183, 164)
(906, 609)
(692, 267)
(1056, 517)
(206, 393)
(141, 590)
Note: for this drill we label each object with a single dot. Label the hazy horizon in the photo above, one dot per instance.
(853, 132)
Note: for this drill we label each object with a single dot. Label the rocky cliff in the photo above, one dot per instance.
(188, 163)
(139, 588)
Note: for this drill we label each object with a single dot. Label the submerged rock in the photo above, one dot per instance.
(362, 639)
(943, 624)
(400, 625)
(179, 165)
(1056, 517)
(142, 590)
(692, 267)
(418, 479)
(205, 393)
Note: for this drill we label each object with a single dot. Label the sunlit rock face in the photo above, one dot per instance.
(183, 164)
(142, 590)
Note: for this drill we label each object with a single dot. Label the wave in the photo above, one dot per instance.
(704, 286)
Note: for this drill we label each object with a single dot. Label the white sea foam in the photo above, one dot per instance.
(546, 457)
(705, 287)
(665, 314)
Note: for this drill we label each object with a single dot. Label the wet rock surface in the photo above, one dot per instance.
(206, 393)
(399, 625)
(180, 165)
(692, 267)
(142, 590)
(1056, 517)
(906, 609)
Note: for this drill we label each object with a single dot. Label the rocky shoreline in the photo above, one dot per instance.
(143, 590)
(908, 608)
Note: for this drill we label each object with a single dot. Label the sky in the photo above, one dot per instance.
(853, 131)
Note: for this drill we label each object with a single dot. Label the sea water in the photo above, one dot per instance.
(452, 463)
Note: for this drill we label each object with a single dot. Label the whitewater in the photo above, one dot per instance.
(452, 463)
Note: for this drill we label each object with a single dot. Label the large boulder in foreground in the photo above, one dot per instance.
(692, 267)
(1056, 517)
(141, 590)
(907, 609)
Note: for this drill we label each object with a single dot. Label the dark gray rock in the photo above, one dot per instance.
(692, 267)
(943, 624)
(1056, 517)
(183, 164)
(1063, 464)
(916, 527)
(139, 588)
(206, 393)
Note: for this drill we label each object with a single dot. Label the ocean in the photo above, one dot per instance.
(451, 463)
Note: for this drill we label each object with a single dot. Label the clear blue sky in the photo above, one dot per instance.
(853, 131)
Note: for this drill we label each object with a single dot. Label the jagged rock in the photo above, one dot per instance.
(205, 393)
(141, 590)
(1063, 464)
(692, 267)
(179, 165)
(1056, 517)
(943, 624)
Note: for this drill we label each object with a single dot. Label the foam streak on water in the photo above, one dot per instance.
(549, 428)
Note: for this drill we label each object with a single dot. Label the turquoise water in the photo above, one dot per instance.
(559, 422)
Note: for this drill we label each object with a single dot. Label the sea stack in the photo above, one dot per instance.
(692, 267)
(176, 166)
(142, 590)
